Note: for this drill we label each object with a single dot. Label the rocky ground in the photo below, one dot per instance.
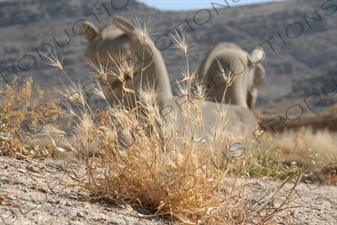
(46, 191)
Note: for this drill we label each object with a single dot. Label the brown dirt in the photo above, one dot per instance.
(46, 191)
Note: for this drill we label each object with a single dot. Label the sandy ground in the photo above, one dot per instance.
(42, 191)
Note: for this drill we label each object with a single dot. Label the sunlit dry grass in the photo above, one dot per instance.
(22, 119)
(289, 151)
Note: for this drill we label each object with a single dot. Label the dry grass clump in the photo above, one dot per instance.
(146, 167)
(141, 162)
(23, 121)
(302, 145)
(289, 151)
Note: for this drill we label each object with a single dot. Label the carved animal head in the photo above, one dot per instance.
(225, 60)
(128, 62)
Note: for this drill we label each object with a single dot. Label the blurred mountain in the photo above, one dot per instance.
(299, 37)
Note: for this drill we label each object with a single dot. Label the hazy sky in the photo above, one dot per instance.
(195, 4)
